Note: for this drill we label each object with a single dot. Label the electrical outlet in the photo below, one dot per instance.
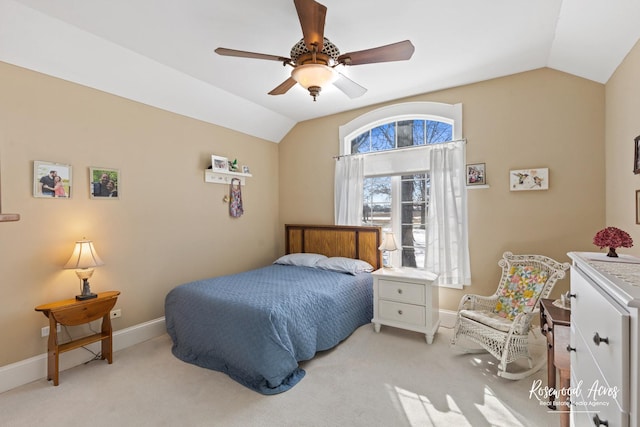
(44, 332)
(116, 313)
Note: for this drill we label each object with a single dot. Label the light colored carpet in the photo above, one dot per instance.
(392, 378)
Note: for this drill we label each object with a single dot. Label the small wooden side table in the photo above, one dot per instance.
(555, 323)
(72, 313)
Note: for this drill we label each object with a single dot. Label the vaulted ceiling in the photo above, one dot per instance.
(161, 53)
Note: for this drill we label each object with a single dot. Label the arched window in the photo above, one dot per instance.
(395, 145)
(408, 112)
(400, 134)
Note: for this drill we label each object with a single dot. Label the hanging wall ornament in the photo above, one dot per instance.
(235, 202)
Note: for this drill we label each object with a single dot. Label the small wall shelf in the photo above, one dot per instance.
(9, 217)
(218, 177)
(477, 187)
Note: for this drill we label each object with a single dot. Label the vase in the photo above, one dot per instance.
(612, 252)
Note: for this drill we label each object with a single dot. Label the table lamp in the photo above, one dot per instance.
(388, 245)
(83, 259)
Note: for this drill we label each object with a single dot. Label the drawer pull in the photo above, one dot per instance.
(400, 312)
(598, 340)
(598, 422)
(569, 348)
(399, 291)
(571, 295)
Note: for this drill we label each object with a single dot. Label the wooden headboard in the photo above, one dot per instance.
(336, 240)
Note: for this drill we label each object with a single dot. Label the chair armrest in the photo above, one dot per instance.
(522, 322)
(477, 302)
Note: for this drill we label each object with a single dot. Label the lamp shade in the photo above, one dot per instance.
(310, 75)
(84, 256)
(388, 242)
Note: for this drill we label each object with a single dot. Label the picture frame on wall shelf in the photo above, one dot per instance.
(476, 174)
(245, 169)
(52, 180)
(636, 155)
(529, 179)
(104, 183)
(219, 164)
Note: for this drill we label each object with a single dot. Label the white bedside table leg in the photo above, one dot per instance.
(376, 327)
(429, 338)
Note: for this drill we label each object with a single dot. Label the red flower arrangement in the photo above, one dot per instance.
(613, 238)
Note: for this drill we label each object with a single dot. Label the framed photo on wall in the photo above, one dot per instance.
(104, 183)
(476, 174)
(219, 163)
(51, 180)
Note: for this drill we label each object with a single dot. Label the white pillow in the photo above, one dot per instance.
(345, 265)
(300, 259)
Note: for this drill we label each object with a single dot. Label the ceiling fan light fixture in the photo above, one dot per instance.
(313, 77)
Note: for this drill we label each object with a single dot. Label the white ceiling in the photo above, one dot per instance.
(161, 53)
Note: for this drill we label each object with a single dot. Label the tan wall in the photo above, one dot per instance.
(168, 227)
(541, 118)
(623, 125)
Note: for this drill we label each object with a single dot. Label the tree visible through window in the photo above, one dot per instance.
(398, 202)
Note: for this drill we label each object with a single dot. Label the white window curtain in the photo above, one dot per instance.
(447, 249)
(348, 192)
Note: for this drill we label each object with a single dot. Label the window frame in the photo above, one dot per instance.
(399, 161)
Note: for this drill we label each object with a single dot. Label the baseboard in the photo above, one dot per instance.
(448, 318)
(34, 368)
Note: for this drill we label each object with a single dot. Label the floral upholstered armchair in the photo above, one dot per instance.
(501, 323)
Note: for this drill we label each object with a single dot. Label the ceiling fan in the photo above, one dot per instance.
(314, 57)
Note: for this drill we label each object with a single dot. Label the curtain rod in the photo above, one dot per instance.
(411, 147)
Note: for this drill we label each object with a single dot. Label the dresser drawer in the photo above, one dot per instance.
(401, 291)
(588, 380)
(596, 316)
(585, 407)
(584, 414)
(405, 313)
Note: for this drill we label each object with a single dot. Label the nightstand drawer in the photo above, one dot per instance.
(401, 291)
(406, 313)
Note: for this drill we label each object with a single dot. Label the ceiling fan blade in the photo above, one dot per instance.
(283, 87)
(349, 87)
(393, 52)
(312, 16)
(242, 54)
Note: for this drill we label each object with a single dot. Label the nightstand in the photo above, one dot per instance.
(72, 312)
(406, 298)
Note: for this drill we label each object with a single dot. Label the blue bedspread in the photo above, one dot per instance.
(257, 325)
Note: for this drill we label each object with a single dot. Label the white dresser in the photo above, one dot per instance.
(406, 298)
(604, 340)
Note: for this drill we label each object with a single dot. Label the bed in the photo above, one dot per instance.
(256, 326)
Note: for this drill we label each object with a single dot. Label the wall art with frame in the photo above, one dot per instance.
(636, 155)
(104, 183)
(529, 179)
(51, 180)
(476, 174)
